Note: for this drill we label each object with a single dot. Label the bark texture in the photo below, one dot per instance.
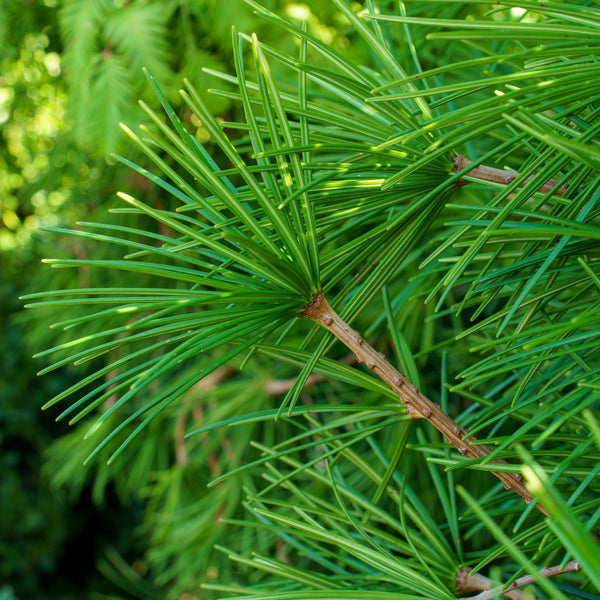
(500, 176)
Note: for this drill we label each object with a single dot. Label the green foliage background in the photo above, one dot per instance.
(498, 281)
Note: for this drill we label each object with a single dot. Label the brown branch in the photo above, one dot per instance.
(181, 455)
(206, 384)
(474, 583)
(275, 387)
(418, 406)
(493, 175)
(471, 583)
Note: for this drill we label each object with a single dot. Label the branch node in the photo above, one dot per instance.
(412, 413)
(312, 309)
(459, 162)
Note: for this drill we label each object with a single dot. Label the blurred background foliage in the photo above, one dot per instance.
(71, 70)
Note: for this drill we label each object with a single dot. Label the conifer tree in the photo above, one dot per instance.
(420, 235)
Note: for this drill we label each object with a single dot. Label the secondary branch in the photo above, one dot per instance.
(417, 405)
(470, 583)
(493, 175)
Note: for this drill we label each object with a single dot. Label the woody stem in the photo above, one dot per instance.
(418, 406)
(485, 173)
(470, 583)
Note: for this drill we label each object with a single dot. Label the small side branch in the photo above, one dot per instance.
(204, 385)
(275, 387)
(493, 175)
(469, 583)
(418, 406)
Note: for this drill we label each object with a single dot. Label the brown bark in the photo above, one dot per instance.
(418, 406)
(500, 176)
(476, 582)
(275, 387)
(204, 385)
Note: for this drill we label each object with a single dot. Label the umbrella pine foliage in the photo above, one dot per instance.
(444, 199)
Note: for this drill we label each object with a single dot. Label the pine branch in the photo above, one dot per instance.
(470, 583)
(276, 387)
(494, 175)
(418, 406)
(210, 382)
